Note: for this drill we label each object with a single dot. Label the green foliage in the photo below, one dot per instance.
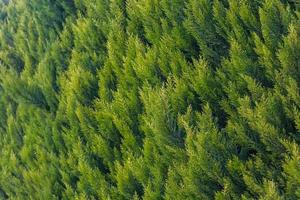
(150, 99)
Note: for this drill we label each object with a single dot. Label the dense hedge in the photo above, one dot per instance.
(150, 99)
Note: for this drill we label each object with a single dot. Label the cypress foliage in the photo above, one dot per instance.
(150, 99)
